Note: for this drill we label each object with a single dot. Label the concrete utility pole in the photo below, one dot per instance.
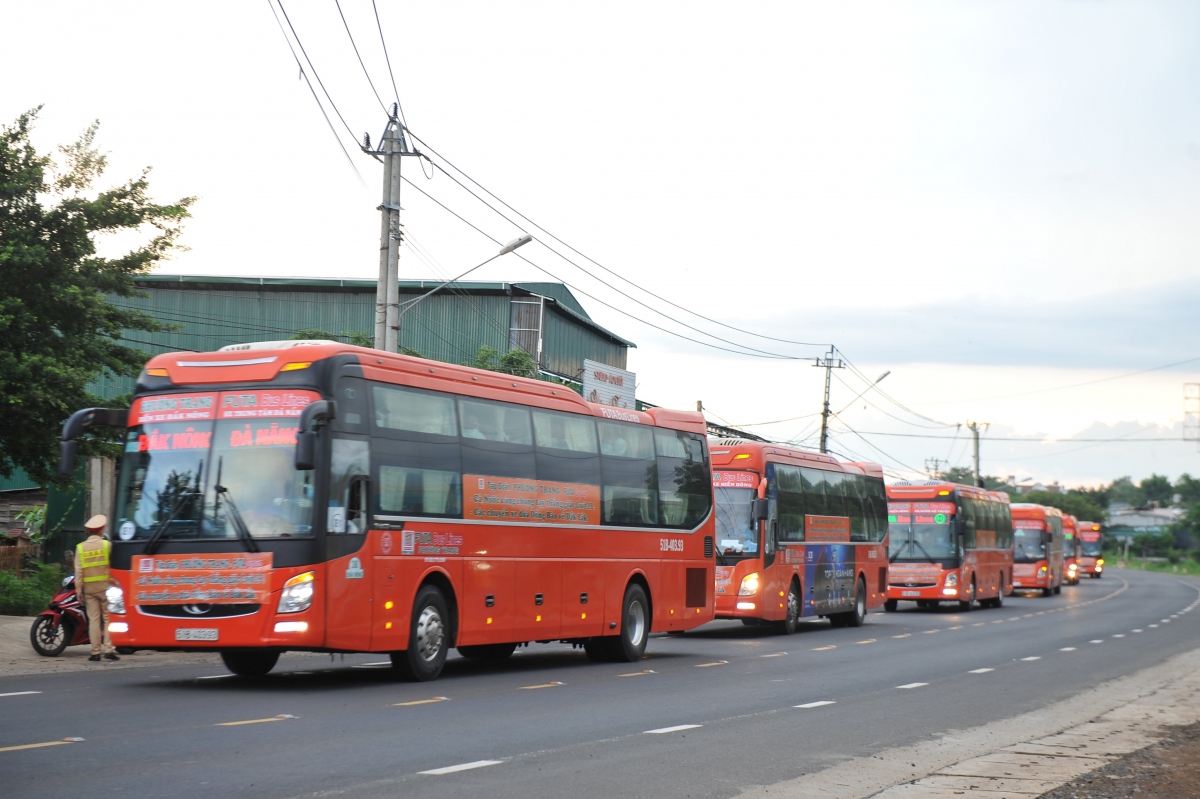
(974, 428)
(392, 148)
(933, 467)
(829, 363)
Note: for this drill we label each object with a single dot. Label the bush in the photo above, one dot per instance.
(28, 594)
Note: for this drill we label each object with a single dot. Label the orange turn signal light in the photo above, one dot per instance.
(295, 366)
(158, 372)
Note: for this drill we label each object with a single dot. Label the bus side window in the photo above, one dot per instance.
(356, 506)
(348, 469)
(877, 507)
(789, 502)
(684, 479)
(854, 506)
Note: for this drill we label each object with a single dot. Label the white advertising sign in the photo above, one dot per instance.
(608, 385)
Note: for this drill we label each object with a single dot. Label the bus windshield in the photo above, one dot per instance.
(736, 537)
(1090, 548)
(202, 479)
(1029, 546)
(921, 542)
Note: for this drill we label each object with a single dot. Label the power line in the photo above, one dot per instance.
(304, 75)
(391, 72)
(360, 59)
(593, 260)
(877, 449)
(320, 82)
(885, 413)
(1118, 440)
(887, 396)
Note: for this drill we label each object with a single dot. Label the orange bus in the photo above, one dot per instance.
(323, 497)
(1071, 550)
(948, 543)
(798, 535)
(1037, 548)
(1091, 561)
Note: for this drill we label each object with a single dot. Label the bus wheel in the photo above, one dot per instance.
(998, 602)
(966, 605)
(1058, 588)
(858, 616)
(250, 664)
(792, 623)
(629, 646)
(1047, 591)
(488, 651)
(427, 638)
(890, 605)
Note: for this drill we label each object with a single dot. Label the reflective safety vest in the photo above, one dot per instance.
(92, 556)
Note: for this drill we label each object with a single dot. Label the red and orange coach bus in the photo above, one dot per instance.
(1071, 550)
(322, 497)
(1037, 548)
(1091, 561)
(948, 543)
(798, 535)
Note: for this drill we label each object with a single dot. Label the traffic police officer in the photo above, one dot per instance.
(91, 584)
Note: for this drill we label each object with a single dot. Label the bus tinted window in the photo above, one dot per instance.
(566, 448)
(852, 501)
(684, 480)
(414, 411)
(1004, 531)
(834, 505)
(814, 491)
(789, 502)
(497, 439)
(970, 513)
(629, 473)
(876, 508)
(417, 478)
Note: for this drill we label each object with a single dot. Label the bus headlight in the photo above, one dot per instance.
(951, 580)
(1072, 567)
(749, 585)
(116, 600)
(1043, 570)
(297, 594)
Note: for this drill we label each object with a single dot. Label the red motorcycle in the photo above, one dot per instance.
(62, 624)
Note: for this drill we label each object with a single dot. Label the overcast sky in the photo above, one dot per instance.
(986, 199)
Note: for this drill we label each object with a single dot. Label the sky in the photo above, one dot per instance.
(994, 203)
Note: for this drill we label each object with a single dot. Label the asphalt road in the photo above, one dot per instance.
(707, 714)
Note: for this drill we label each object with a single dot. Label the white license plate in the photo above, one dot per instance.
(910, 593)
(195, 634)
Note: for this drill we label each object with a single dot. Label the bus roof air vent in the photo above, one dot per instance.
(275, 345)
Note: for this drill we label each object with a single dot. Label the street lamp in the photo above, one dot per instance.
(405, 307)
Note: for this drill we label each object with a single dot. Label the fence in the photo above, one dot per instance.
(11, 556)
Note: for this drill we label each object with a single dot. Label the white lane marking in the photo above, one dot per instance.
(776, 655)
(907, 686)
(1034, 657)
(1119, 635)
(216, 677)
(905, 635)
(378, 663)
(1164, 621)
(1137, 631)
(20, 693)
(1174, 615)
(356, 666)
(676, 728)
(822, 703)
(1153, 625)
(979, 671)
(715, 663)
(1067, 649)
(437, 772)
(1096, 641)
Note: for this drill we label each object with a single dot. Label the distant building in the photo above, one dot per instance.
(1127, 522)
(1029, 484)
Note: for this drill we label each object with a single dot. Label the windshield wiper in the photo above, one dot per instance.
(239, 524)
(157, 535)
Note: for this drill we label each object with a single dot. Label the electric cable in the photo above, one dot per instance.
(345, 24)
(391, 72)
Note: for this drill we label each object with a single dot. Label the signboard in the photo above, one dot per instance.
(173, 408)
(539, 501)
(826, 529)
(242, 577)
(735, 480)
(608, 385)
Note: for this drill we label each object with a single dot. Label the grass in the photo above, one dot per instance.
(28, 593)
(1186, 566)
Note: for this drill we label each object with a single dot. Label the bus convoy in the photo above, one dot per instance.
(322, 497)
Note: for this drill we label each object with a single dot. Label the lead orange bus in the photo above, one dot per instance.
(1091, 560)
(322, 497)
(1071, 550)
(798, 535)
(948, 543)
(1037, 548)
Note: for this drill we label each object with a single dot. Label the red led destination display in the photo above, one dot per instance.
(173, 408)
(264, 403)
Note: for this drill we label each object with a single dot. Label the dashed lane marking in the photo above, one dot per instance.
(20, 693)
(1015, 618)
(1137, 631)
(281, 717)
(931, 632)
(1153, 625)
(911, 685)
(422, 701)
(1119, 635)
(979, 671)
(824, 648)
(868, 641)
(638, 673)
(979, 624)
(998, 621)
(216, 677)
(542, 685)
(714, 663)
(774, 655)
(1067, 649)
(905, 635)
(822, 703)
(959, 627)
(1096, 641)
(676, 728)
(39, 746)
(437, 772)
(1033, 657)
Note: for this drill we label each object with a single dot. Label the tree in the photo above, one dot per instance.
(1188, 489)
(514, 362)
(59, 330)
(1157, 488)
(1123, 490)
(1078, 506)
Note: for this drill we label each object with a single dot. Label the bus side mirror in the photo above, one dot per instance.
(760, 509)
(306, 438)
(960, 526)
(79, 422)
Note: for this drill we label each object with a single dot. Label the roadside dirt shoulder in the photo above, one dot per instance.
(1170, 769)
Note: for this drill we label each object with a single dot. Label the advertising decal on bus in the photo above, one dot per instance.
(826, 529)
(505, 498)
(204, 579)
(735, 480)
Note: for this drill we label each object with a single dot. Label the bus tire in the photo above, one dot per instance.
(630, 645)
(1058, 588)
(250, 664)
(428, 638)
(891, 605)
(969, 603)
(1047, 591)
(492, 652)
(791, 624)
(858, 616)
(998, 602)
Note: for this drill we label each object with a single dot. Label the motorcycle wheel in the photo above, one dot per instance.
(48, 640)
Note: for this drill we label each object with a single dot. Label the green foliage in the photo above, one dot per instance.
(28, 594)
(1123, 490)
(514, 362)
(411, 352)
(357, 338)
(1188, 489)
(1075, 504)
(1157, 488)
(59, 330)
(33, 522)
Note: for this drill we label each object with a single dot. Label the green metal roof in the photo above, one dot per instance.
(563, 301)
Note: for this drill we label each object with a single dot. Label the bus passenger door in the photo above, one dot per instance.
(348, 574)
